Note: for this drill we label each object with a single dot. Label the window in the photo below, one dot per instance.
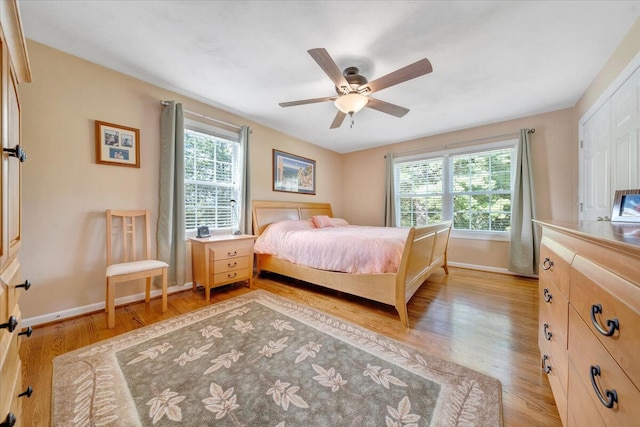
(211, 177)
(472, 188)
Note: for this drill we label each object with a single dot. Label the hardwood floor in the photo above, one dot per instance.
(484, 321)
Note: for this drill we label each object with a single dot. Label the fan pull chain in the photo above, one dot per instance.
(351, 115)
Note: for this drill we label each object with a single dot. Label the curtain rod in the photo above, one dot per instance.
(165, 103)
(459, 144)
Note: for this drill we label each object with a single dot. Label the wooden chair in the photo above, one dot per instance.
(129, 260)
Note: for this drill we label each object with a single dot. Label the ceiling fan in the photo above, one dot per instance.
(354, 90)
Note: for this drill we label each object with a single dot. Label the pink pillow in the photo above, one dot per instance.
(321, 221)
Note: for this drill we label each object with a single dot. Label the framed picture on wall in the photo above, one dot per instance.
(117, 145)
(626, 206)
(293, 174)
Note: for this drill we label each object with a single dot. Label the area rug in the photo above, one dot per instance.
(263, 360)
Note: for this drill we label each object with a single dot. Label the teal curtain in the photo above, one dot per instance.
(171, 223)
(524, 251)
(390, 193)
(245, 220)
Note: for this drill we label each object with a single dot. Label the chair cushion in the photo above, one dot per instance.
(134, 267)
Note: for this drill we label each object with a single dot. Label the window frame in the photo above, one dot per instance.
(237, 172)
(447, 174)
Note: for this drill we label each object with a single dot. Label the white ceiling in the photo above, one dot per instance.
(492, 60)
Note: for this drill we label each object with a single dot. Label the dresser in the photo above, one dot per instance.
(221, 259)
(589, 336)
(14, 70)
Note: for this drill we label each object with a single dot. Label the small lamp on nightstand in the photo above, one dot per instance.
(232, 203)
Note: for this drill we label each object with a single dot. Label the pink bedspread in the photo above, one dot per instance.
(349, 249)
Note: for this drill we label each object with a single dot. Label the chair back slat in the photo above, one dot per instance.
(129, 246)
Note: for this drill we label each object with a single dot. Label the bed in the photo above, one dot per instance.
(425, 250)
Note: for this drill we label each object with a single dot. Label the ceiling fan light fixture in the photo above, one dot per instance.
(351, 103)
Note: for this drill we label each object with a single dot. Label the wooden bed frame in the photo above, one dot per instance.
(425, 250)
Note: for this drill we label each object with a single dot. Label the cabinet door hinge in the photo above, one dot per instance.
(581, 143)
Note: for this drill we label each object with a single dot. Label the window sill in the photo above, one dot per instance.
(498, 236)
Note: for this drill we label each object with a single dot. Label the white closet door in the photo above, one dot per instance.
(595, 161)
(625, 127)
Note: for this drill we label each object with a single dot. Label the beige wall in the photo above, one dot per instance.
(554, 153)
(65, 193)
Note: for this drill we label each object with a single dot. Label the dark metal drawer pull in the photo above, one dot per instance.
(26, 285)
(27, 332)
(10, 421)
(231, 276)
(11, 324)
(232, 265)
(234, 253)
(16, 152)
(611, 395)
(547, 334)
(547, 264)
(612, 324)
(545, 367)
(547, 295)
(28, 392)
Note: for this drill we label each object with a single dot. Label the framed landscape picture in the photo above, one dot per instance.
(626, 206)
(117, 145)
(293, 174)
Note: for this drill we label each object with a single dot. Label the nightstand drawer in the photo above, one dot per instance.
(230, 277)
(230, 264)
(555, 261)
(235, 250)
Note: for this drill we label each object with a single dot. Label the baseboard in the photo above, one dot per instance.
(78, 311)
(489, 269)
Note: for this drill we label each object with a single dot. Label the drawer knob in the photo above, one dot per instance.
(26, 285)
(231, 265)
(611, 395)
(547, 334)
(28, 392)
(232, 275)
(547, 295)
(16, 152)
(27, 332)
(10, 421)
(545, 366)
(612, 324)
(234, 253)
(547, 264)
(11, 324)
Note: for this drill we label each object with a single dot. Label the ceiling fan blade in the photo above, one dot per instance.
(409, 72)
(386, 107)
(337, 121)
(324, 60)
(307, 101)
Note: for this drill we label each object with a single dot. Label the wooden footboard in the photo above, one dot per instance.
(425, 250)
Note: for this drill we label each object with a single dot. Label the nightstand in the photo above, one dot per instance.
(221, 259)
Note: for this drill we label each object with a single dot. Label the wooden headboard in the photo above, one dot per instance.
(267, 211)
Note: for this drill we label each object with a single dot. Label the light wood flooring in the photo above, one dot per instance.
(484, 321)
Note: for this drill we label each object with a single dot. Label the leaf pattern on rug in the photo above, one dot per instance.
(463, 405)
(237, 312)
(151, 353)
(402, 416)
(274, 347)
(192, 354)
(165, 403)
(243, 327)
(211, 331)
(328, 378)
(281, 325)
(283, 395)
(224, 360)
(308, 350)
(95, 398)
(382, 376)
(221, 402)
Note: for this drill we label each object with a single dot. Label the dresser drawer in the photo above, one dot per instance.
(230, 264)
(554, 311)
(9, 362)
(554, 364)
(555, 262)
(604, 299)
(588, 353)
(582, 412)
(232, 250)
